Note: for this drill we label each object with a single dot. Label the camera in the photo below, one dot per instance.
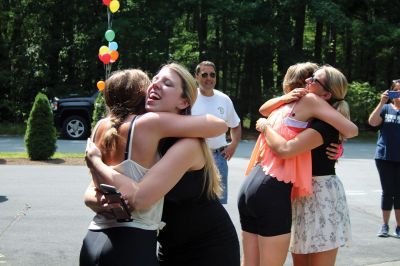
(393, 94)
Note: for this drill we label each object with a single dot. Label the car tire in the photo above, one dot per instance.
(75, 127)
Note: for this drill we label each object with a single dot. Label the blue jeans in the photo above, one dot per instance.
(222, 166)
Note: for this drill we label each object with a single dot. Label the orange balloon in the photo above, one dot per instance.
(114, 55)
(101, 85)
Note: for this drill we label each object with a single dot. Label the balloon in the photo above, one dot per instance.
(101, 85)
(103, 49)
(106, 2)
(113, 46)
(114, 55)
(106, 58)
(110, 35)
(114, 6)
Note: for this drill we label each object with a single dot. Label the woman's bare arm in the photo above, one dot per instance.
(375, 118)
(304, 141)
(174, 125)
(276, 102)
(92, 198)
(321, 109)
(161, 178)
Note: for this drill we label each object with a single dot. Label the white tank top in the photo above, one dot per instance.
(149, 219)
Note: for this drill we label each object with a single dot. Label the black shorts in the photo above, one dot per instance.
(122, 246)
(264, 204)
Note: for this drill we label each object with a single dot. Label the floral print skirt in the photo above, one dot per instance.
(321, 221)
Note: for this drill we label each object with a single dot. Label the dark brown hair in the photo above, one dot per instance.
(124, 94)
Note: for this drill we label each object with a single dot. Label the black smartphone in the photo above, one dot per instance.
(122, 214)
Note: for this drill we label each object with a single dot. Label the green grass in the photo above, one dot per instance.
(17, 129)
(24, 155)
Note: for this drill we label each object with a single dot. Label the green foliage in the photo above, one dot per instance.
(10, 128)
(99, 109)
(362, 99)
(251, 42)
(40, 135)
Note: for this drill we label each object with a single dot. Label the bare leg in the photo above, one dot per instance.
(273, 250)
(397, 214)
(385, 216)
(300, 259)
(326, 258)
(251, 254)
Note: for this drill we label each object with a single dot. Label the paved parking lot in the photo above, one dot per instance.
(43, 219)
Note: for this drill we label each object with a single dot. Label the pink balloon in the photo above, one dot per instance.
(106, 2)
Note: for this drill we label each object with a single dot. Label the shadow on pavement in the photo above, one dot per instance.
(3, 198)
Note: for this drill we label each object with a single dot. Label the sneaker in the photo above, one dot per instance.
(396, 233)
(384, 232)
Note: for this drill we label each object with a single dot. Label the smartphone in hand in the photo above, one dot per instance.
(393, 94)
(122, 214)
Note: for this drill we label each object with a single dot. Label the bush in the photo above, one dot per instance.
(99, 109)
(362, 99)
(40, 134)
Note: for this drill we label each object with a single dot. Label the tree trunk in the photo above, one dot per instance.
(300, 18)
(348, 53)
(319, 27)
(202, 31)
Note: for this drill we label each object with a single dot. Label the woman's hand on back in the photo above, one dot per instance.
(295, 95)
(261, 124)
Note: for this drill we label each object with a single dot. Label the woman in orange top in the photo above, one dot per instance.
(264, 201)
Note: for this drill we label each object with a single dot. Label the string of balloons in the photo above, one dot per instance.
(108, 54)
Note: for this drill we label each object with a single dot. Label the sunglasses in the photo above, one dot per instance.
(314, 79)
(396, 81)
(205, 74)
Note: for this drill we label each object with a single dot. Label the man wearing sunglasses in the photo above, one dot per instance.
(212, 101)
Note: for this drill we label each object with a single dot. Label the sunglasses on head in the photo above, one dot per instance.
(205, 74)
(314, 79)
(396, 81)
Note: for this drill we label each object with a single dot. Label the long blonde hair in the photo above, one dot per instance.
(337, 84)
(212, 179)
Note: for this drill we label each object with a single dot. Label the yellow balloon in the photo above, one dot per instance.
(103, 50)
(114, 6)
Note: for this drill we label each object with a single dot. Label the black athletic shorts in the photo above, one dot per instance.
(122, 246)
(264, 204)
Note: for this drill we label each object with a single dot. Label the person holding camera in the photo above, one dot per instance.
(386, 115)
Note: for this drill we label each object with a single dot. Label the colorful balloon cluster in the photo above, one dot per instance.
(113, 5)
(108, 54)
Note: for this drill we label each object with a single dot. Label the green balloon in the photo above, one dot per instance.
(110, 35)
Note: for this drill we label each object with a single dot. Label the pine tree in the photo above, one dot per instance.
(40, 134)
(99, 111)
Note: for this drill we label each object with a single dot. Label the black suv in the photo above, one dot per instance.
(73, 115)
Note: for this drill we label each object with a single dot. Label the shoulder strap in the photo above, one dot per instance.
(128, 148)
(290, 114)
